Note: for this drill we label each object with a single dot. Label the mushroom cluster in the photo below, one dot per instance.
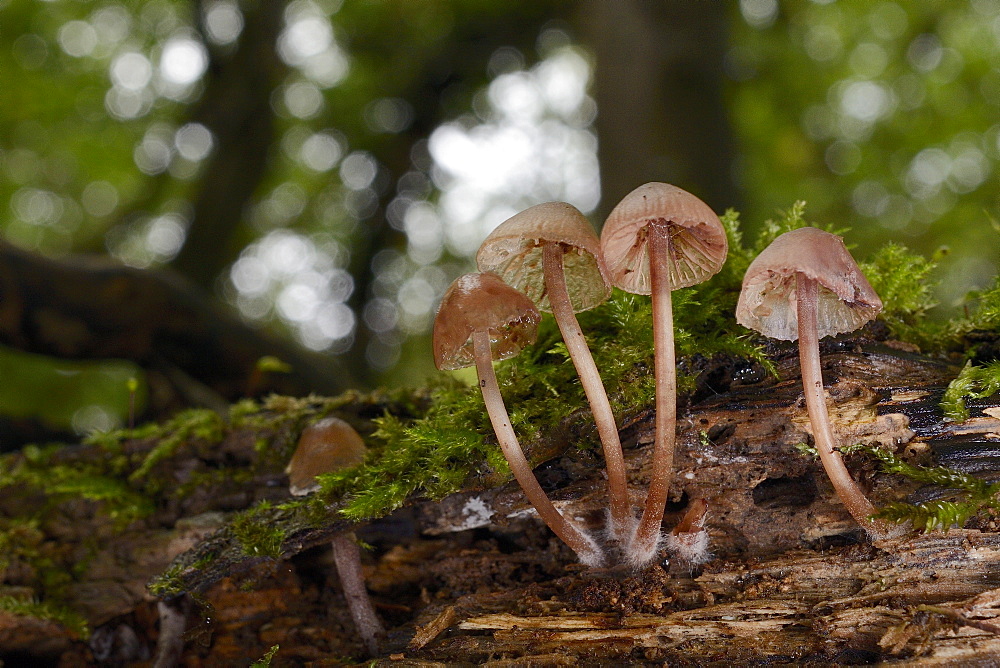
(658, 239)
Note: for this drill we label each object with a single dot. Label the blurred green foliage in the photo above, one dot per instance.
(881, 115)
(67, 395)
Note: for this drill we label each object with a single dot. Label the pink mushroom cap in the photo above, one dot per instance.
(697, 238)
(514, 252)
(477, 302)
(767, 302)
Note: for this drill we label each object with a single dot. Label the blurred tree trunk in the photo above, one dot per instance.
(659, 87)
(195, 350)
(450, 76)
(236, 108)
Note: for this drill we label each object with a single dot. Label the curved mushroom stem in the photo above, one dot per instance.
(173, 621)
(622, 521)
(586, 549)
(847, 489)
(647, 538)
(347, 557)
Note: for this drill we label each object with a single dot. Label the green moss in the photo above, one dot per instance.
(902, 280)
(23, 541)
(171, 582)
(94, 480)
(984, 310)
(974, 382)
(72, 620)
(970, 495)
(265, 661)
(197, 424)
(212, 478)
(259, 539)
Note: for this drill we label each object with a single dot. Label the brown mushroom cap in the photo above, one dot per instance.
(477, 302)
(514, 252)
(768, 300)
(697, 238)
(327, 445)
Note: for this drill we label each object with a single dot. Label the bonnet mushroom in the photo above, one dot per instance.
(325, 446)
(658, 239)
(482, 319)
(551, 253)
(805, 286)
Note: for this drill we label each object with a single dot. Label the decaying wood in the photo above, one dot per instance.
(475, 578)
(929, 596)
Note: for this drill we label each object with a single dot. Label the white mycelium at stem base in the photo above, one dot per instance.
(805, 286)
(480, 319)
(688, 542)
(658, 239)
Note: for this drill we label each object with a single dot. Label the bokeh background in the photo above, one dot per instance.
(326, 167)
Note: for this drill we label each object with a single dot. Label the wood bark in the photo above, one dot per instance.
(476, 578)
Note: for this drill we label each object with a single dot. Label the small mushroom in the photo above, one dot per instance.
(688, 541)
(482, 319)
(325, 446)
(658, 239)
(805, 286)
(551, 253)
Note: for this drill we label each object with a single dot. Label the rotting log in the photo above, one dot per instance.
(927, 595)
(474, 577)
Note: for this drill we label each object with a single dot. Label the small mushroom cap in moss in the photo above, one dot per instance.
(697, 238)
(514, 252)
(767, 302)
(325, 446)
(477, 302)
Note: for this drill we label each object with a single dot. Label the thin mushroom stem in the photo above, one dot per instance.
(664, 367)
(847, 489)
(347, 557)
(622, 521)
(586, 549)
(173, 621)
